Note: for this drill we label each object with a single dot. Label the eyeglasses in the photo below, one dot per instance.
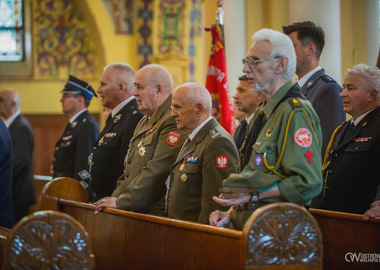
(252, 62)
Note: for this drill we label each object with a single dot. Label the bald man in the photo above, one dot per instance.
(107, 158)
(23, 142)
(208, 157)
(153, 148)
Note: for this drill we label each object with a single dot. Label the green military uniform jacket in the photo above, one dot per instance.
(299, 172)
(152, 151)
(198, 172)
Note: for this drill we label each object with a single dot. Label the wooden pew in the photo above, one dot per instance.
(4, 234)
(48, 240)
(273, 238)
(345, 233)
(39, 181)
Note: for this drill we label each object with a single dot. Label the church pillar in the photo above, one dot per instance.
(372, 22)
(234, 32)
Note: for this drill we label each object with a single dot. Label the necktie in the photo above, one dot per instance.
(246, 150)
(240, 134)
(349, 130)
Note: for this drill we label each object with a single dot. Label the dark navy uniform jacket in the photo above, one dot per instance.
(6, 156)
(109, 151)
(74, 147)
(323, 93)
(352, 171)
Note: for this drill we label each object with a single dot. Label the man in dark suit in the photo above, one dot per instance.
(24, 194)
(6, 204)
(75, 145)
(209, 156)
(320, 89)
(247, 101)
(351, 167)
(107, 159)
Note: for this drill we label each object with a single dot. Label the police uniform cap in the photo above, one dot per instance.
(77, 86)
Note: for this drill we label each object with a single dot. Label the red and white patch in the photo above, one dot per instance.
(173, 138)
(221, 162)
(303, 137)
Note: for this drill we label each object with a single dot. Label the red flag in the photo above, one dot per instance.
(217, 84)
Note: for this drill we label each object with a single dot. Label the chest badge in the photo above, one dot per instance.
(142, 151)
(269, 132)
(184, 177)
(309, 155)
(101, 141)
(258, 160)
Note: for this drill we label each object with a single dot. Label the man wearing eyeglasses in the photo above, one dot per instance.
(75, 145)
(285, 164)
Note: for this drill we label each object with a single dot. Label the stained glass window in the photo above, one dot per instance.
(11, 30)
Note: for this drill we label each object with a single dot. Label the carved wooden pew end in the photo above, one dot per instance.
(283, 234)
(62, 188)
(48, 240)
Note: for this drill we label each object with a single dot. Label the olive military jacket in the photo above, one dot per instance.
(152, 151)
(351, 168)
(198, 172)
(290, 141)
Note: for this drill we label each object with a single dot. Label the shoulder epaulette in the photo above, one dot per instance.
(214, 133)
(327, 78)
(295, 103)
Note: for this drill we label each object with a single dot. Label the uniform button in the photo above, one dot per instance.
(335, 155)
(94, 148)
(356, 148)
(331, 171)
(56, 148)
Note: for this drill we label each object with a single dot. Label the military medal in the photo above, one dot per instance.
(142, 151)
(101, 141)
(182, 167)
(184, 177)
(269, 132)
(74, 124)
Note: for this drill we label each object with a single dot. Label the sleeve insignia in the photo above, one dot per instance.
(309, 155)
(303, 137)
(295, 103)
(173, 138)
(221, 162)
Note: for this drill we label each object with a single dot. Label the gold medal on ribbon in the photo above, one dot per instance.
(182, 167)
(269, 132)
(184, 177)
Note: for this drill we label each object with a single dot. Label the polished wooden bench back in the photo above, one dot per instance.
(48, 240)
(274, 237)
(345, 234)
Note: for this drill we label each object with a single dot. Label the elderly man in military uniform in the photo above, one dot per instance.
(351, 167)
(285, 165)
(75, 145)
(208, 156)
(107, 158)
(153, 148)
